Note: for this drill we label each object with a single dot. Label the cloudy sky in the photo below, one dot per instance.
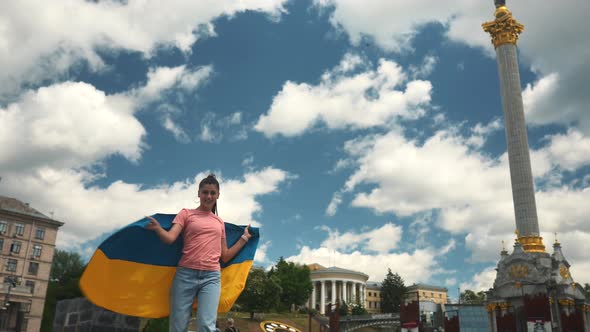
(364, 135)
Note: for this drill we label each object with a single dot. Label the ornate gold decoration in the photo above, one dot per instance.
(565, 273)
(550, 300)
(532, 243)
(517, 284)
(504, 29)
(574, 285)
(556, 242)
(519, 271)
(567, 302)
(503, 305)
(586, 308)
(491, 307)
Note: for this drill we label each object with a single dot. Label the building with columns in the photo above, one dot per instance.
(336, 285)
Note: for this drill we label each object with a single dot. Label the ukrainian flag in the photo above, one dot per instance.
(131, 271)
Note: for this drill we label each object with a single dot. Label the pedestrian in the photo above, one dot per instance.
(230, 326)
(198, 272)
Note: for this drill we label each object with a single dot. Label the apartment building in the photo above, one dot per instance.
(27, 245)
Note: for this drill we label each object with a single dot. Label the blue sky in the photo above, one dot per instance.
(361, 135)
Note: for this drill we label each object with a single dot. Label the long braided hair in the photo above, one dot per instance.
(210, 179)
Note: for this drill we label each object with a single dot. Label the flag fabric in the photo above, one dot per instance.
(131, 271)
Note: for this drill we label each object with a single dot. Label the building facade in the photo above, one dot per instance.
(373, 296)
(336, 285)
(27, 245)
(424, 292)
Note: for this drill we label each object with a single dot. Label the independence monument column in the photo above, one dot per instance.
(504, 31)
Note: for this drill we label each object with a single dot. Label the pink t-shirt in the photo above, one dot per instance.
(202, 233)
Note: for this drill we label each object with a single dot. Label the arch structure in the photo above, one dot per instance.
(336, 285)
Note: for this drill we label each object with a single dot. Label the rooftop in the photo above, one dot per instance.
(14, 205)
(334, 269)
(427, 287)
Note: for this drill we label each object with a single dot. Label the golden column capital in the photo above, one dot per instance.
(504, 29)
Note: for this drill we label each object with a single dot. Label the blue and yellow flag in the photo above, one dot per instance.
(131, 271)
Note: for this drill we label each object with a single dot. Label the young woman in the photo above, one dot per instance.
(198, 273)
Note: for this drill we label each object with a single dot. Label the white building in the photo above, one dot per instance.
(336, 285)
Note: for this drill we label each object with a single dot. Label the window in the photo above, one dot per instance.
(11, 265)
(37, 251)
(40, 233)
(1, 244)
(33, 268)
(19, 230)
(31, 285)
(440, 296)
(3, 227)
(15, 247)
(432, 295)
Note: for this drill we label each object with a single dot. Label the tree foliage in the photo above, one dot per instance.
(261, 293)
(471, 297)
(358, 310)
(295, 282)
(393, 291)
(587, 290)
(66, 270)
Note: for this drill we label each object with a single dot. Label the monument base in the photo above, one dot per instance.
(534, 291)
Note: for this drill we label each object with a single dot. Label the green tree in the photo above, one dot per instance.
(471, 297)
(66, 270)
(261, 293)
(343, 309)
(587, 290)
(295, 282)
(358, 310)
(393, 291)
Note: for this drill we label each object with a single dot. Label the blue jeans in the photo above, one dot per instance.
(188, 283)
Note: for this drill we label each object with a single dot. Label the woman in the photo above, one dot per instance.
(198, 273)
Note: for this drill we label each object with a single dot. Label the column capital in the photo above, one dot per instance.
(504, 29)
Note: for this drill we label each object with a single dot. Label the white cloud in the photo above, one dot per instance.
(213, 129)
(40, 40)
(412, 178)
(481, 132)
(359, 251)
(366, 99)
(413, 267)
(260, 256)
(450, 282)
(160, 79)
(334, 203)
(571, 150)
(67, 125)
(425, 68)
(89, 210)
(179, 133)
(381, 240)
(481, 281)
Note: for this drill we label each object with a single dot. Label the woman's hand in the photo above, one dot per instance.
(153, 224)
(247, 232)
